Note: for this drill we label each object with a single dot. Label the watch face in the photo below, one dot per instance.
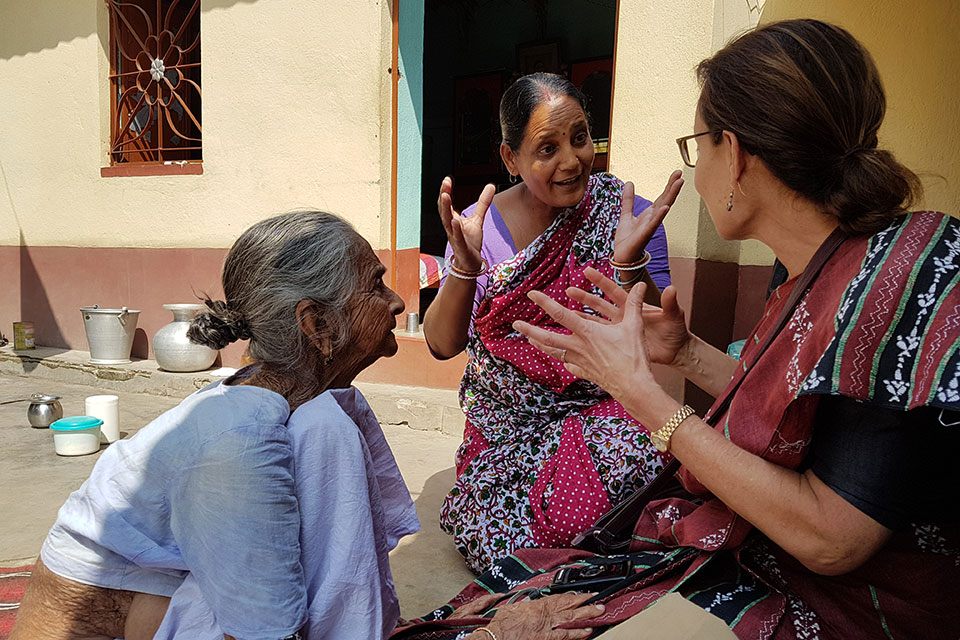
(658, 441)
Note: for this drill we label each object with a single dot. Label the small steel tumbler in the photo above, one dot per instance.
(413, 322)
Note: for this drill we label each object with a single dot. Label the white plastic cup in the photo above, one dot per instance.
(107, 408)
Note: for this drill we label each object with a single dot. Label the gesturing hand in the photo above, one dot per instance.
(664, 329)
(464, 234)
(633, 233)
(609, 352)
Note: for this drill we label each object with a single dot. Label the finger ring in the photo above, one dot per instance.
(563, 356)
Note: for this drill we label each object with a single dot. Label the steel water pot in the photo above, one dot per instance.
(43, 410)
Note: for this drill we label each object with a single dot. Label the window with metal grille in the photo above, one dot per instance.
(155, 81)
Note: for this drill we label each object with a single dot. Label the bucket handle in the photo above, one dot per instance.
(123, 316)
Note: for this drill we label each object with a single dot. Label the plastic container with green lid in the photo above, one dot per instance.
(76, 435)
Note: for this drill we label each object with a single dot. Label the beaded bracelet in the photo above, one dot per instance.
(632, 266)
(492, 635)
(456, 272)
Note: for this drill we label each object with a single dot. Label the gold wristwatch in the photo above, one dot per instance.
(661, 437)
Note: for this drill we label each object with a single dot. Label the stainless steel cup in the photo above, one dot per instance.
(43, 411)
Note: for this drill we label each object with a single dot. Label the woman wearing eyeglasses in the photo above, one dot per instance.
(820, 500)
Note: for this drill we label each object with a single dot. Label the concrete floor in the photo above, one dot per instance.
(34, 482)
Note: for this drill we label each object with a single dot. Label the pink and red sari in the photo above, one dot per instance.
(544, 453)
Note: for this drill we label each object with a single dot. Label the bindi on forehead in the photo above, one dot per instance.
(556, 116)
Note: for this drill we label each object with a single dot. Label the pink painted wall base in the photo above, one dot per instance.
(48, 285)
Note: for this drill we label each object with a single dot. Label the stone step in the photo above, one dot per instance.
(416, 407)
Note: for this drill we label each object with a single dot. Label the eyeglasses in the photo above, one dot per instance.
(690, 155)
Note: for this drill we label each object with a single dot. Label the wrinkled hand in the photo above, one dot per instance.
(475, 607)
(611, 351)
(464, 234)
(539, 619)
(633, 233)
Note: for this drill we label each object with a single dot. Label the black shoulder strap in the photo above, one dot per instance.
(608, 533)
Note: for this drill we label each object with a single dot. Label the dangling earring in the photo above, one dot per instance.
(730, 202)
(328, 361)
(513, 179)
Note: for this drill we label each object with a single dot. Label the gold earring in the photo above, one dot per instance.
(730, 202)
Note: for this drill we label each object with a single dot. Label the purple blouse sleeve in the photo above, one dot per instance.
(659, 267)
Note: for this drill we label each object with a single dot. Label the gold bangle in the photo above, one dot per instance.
(492, 635)
(661, 437)
(454, 270)
(632, 266)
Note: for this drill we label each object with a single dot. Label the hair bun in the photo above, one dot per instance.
(218, 327)
(871, 185)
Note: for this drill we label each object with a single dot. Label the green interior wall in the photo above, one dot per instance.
(409, 123)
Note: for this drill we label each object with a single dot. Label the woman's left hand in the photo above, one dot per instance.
(539, 619)
(634, 232)
(610, 351)
(476, 607)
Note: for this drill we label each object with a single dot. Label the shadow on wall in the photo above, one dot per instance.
(35, 303)
(31, 27)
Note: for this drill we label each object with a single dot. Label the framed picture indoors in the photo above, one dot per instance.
(594, 78)
(477, 121)
(538, 56)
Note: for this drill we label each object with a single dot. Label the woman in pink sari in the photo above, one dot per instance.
(544, 452)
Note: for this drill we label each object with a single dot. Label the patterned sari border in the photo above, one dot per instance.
(906, 297)
(877, 249)
(927, 338)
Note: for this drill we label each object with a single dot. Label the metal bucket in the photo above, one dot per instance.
(109, 333)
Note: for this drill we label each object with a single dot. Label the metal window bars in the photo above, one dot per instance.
(155, 81)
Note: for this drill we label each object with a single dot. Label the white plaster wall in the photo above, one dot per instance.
(293, 102)
(659, 45)
(916, 48)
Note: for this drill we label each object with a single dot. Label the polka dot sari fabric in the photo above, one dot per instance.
(544, 453)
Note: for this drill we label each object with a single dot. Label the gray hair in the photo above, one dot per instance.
(274, 265)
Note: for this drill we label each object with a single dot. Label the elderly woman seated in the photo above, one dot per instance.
(264, 506)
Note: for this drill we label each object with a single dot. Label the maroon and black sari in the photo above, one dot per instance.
(880, 324)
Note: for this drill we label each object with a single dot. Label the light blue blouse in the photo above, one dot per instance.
(208, 492)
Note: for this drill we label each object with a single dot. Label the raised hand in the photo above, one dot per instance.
(464, 234)
(664, 328)
(633, 233)
(612, 354)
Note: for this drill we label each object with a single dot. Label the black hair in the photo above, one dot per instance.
(524, 95)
